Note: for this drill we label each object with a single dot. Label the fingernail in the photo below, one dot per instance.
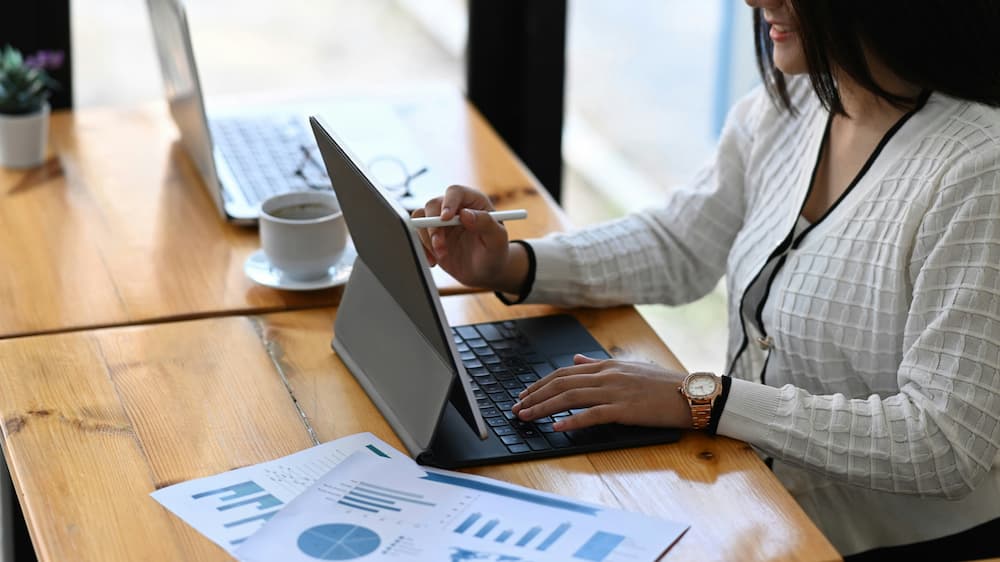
(516, 406)
(522, 394)
(445, 210)
(558, 426)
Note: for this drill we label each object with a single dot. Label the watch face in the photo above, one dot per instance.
(701, 385)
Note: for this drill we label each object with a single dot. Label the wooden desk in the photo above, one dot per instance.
(93, 421)
(116, 227)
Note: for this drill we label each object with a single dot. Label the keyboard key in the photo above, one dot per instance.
(472, 364)
(505, 405)
(529, 432)
(489, 412)
(478, 371)
(501, 345)
(527, 378)
(483, 403)
(513, 385)
(545, 427)
(509, 415)
(514, 393)
(499, 396)
(479, 393)
(461, 347)
(496, 422)
(491, 388)
(511, 439)
(467, 332)
(509, 324)
(483, 352)
(538, 443)
(467, 356)
(490, 359)
(558, 440)
(504, 430)
(489, 332)
(476, 343)
(519, 448)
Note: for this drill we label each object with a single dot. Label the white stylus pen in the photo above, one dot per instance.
(434, 222)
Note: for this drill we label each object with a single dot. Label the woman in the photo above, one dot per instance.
(854, 207)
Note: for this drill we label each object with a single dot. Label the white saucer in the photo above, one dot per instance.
(260, 270)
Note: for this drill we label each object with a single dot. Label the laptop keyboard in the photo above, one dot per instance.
(268, 155)
(502, 363)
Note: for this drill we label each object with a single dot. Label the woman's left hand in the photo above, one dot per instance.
(612, 391)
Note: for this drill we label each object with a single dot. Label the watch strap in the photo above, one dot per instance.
(701, 415)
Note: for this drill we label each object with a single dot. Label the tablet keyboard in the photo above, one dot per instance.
(502, 363)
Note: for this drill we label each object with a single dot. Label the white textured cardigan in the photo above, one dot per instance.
(881, 402)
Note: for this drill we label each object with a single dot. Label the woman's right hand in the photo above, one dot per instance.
(476, 253)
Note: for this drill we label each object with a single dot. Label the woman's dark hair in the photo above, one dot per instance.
(948, 46)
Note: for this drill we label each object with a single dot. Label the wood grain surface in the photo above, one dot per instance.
(117, 228)
(93, 421)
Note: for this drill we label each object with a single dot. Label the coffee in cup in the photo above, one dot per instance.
(303, 233)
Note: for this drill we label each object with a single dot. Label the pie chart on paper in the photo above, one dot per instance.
(338, 541)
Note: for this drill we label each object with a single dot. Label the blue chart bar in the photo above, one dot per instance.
(504, 535)
(487, 528)
(372, 498)
(390, 494)
(522, 495)
(267, 501)
(532, 533)
(261, 517)
(467, 523)
(356, 506)
(237, 491)
(551, 539)
(599, 546)
(377, 451)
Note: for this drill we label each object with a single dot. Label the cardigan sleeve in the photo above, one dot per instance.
(672, 254)
(940, 434)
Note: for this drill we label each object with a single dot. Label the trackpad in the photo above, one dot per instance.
(566, 360)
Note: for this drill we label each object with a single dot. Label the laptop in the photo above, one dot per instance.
(245, 156)
(446, 391)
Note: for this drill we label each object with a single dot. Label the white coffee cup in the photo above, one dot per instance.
(303, 233)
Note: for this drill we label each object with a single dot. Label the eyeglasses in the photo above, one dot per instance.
(391, 173)
(317, 180)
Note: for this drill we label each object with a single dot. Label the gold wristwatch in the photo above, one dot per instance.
(701, 390)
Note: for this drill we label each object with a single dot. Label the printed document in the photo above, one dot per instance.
(376, 508)
(229, 507)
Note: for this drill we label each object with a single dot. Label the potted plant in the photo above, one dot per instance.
(25, 86)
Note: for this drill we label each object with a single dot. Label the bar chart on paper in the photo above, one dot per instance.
(376, 499)
(231, 506)
(248, 505)
(370, 508)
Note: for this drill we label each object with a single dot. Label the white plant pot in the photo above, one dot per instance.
(23, 138)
